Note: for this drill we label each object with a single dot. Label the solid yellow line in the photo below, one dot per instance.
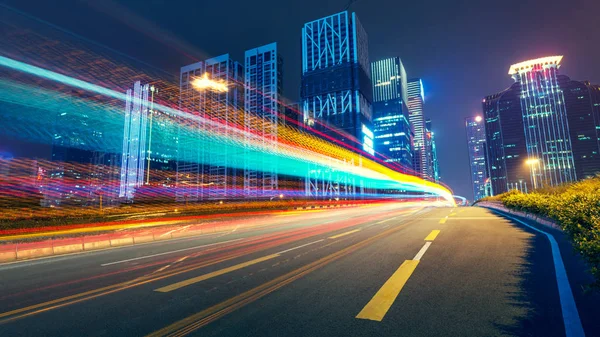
(434, 233)
(379, 305)
(344, 234)
(201, 278)
(443, 220)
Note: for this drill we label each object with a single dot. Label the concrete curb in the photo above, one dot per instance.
(538, 219)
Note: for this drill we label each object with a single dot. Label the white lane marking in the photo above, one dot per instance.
(422, 251)
(165, 253)
(572, 322)
(288, 250)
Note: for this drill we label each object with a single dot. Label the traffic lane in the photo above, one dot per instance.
(578, 276)
(483, 276)
(473, 280)
(326, 301)
(101, 315)
(38, 274)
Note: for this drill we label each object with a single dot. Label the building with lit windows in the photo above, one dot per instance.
(200, 175)
(133, 158)
(415, 102)
(475, 127)
(543, 130)
(545, 120)
(262, 112)
(336, 88)
(505, 142)
(582, 100)
(431, 151)
(393, 134)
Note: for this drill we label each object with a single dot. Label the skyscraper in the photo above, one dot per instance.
(197, 171)
(415, 101)
(475, 127)
(431, 150)
(505, 142)
(263, 66)
(133, 158)
(582, 100)
(545, 120)
(336, 82)
(393, 135)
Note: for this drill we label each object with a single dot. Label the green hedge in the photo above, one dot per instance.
(576, 207)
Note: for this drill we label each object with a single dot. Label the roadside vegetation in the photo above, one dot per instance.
(575, 207)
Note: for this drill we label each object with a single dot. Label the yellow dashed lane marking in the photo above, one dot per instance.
(434, 233)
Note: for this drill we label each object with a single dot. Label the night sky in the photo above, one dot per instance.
(461, 50)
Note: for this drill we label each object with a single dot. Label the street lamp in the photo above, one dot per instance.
(532, 163)
(204, 82)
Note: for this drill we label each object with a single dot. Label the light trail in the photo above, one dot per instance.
(297, 154)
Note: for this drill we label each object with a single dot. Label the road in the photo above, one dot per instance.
(382, 270)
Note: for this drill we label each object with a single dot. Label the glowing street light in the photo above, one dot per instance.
(478, 119)
(532, 162)
(202, 83)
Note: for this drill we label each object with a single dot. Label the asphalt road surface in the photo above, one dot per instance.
(383, 270)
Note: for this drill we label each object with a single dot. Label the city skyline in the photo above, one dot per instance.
(422, 63)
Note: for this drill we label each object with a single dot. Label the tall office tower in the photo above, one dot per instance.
(475, 127)
(74, 133)
(336, 81)
(582, 100)
(506, 154)
(415, 101)
(545, 120)
(263, 111)
(133, 159)
(202, 174)
(432, 161)
(393, 135)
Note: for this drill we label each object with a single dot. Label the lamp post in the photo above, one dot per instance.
(532, 162)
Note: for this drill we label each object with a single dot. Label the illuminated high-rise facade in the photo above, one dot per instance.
(431, 151)
(133, 159)
(393, 134)
(262, 112)
(582, 100)
(415, 101)
(505, 142)
(202, 174)
(336, 81)
(475, 127)
(545, 120)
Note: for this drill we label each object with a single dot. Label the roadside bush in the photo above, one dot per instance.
(576, 207)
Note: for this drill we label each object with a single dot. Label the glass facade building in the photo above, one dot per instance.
(505, 142)
(431, 151)
(336, 82)
(201, 176)
(262, 112)
(475, 127)
(582, 100)
(392, 131)
(415, 101)
(545, 120)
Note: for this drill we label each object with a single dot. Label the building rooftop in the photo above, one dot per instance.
(527, 65)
